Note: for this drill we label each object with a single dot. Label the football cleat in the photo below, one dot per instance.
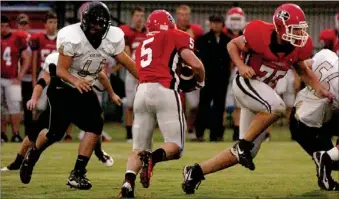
(242, 151)
(323, 164)
(4, 137)
(78, 180)
(26, 169)
(106, 159)
(12, 167)
(192, 178)
(146, 169)
(16, 138)
(127, 190)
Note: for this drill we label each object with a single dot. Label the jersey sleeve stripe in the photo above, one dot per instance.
(173, 61)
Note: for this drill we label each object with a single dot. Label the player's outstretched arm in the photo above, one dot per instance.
(308, 76)
(37, 91)
(128, 63)
(107, 85)
(119, 65)
(192, 60)
(234, 47)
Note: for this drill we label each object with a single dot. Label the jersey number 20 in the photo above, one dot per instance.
(146, 52)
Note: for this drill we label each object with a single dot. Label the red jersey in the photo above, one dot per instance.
(230, 34)
(45, 46)
(194, 30)
(158, 56)
(11, 47)
(271, 66)
(330, 39)
(133, 38)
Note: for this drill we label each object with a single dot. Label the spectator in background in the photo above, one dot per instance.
(183, 14)
(212, 51)
(13, 48)
(134, 34)
(329, 38)
(234, 24)
(22, 21)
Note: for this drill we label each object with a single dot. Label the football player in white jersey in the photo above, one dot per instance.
(314, 120)
(83, 51)
(38, 103)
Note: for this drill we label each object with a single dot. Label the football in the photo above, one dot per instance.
(187, 80)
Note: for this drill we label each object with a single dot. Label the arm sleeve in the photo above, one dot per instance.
(183, 40)
(34, 42)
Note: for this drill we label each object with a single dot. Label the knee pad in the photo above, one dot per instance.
(54, 136)
(279, 108)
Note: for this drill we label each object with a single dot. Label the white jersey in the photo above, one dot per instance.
(87, 61)
(312, 110)
(51, 58)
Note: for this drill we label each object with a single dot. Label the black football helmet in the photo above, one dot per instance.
(95, 22)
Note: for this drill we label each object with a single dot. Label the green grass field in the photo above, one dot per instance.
(283, 170)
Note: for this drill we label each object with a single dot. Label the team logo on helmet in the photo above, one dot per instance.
(283, 15)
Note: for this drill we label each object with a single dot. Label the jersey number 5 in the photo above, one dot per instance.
(319, 71)
(7, 56)
(146, 52)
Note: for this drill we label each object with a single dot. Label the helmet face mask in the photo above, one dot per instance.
(95, 22)
(235, 19)
(289, 22)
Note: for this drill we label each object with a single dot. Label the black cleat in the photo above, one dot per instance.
(127, 190)
(192, 178)
(27, 166)
(4, 137)
(324, 163)
(106, 159)
(78, 180)
(242, 151)
(146, 169)
(16, 138)
(12, 167)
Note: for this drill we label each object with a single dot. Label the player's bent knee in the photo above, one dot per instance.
(53, 136)
(279, 109)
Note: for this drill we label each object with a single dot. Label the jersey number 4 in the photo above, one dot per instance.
(146, 51)
(7, 56)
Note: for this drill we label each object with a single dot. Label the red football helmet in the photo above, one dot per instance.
(235, 19)
(337, 21)
(160, 20)
(288, 19)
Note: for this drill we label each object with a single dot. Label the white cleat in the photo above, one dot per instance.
(107, 160)
(4, 169)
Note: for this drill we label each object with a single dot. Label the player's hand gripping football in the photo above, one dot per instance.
(82, 85)
(246, 71)
(116, 99)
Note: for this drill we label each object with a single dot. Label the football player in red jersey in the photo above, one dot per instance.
(157, 98)
(234, 24)
(13, 48)
(183, 15)
(272, 51)
(134, 34)
(329, 38)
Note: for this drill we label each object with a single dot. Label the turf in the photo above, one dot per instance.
(283, 170)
